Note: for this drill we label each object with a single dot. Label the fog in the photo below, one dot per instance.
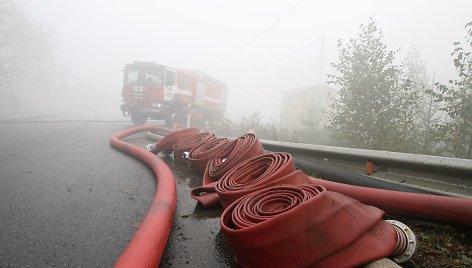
(258, 48)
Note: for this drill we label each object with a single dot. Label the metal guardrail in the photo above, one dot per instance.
(443, 175)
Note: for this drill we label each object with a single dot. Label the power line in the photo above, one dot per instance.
(268, 27)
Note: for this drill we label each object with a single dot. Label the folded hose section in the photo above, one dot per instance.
(235, 152)
(166, 144)
(201, 154)
(305, 226)
(147, 245)
(255, 174)
(278, 168)
(186, 144)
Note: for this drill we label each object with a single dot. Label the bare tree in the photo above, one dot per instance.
(25, 58)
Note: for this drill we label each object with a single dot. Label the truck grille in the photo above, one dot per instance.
(137, 93)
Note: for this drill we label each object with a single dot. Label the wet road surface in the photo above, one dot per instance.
(67, 198)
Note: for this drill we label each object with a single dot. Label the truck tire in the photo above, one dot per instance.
(138, 118)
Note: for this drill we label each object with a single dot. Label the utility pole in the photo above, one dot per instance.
(320, 73)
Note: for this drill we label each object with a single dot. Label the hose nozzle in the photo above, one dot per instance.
(406, 242)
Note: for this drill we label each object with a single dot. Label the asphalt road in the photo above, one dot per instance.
(67, 198)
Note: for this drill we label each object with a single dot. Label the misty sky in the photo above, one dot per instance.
(94, 39)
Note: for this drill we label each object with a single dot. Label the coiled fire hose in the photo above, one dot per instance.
(201, 154)
(186, 144)
(306, 226)
(253, 176)
(263, 171)
(147, 245)
(278, 168)
(425, 206)
(235, 152)
(166, 144)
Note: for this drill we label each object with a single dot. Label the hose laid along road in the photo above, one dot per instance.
(147, 245)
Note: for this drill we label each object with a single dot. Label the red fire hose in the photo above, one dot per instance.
(201, 154)
(186, 144)
(278, 216)
(167, 143)
(426, 206)
(305, 226)
(262, 171)
(278, 168)
(147, 245)
(232, 154)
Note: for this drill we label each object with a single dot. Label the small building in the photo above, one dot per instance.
(306, 107)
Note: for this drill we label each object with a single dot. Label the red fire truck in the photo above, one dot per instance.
(155, 91)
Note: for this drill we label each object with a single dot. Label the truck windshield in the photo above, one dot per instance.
(143, 75)
(152, 77)
(131, 76)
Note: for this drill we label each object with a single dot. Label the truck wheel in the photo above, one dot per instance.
(138, 118)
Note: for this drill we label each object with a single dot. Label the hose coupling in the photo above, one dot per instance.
(151, 148)
(406, 242)
(186, 157)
